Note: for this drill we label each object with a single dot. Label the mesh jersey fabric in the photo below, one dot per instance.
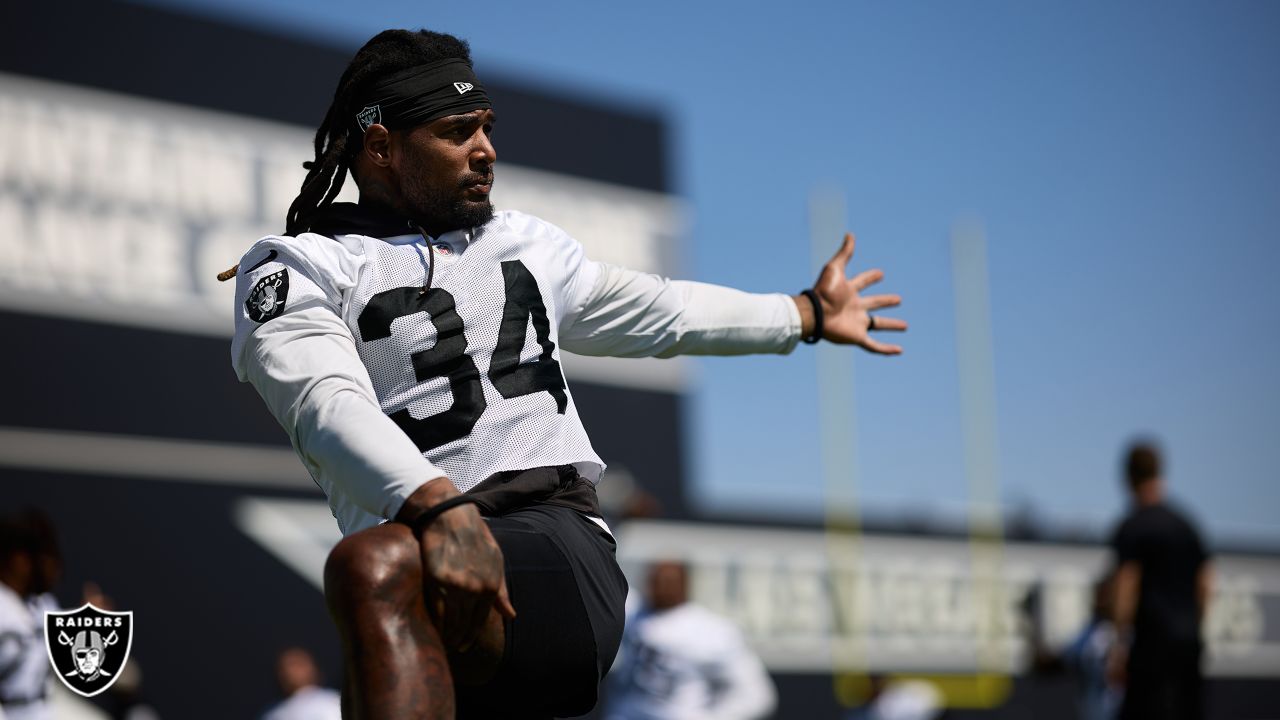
(510, 433)
(468, 371)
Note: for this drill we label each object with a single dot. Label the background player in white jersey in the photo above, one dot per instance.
(410, 347)
(24, 662)
(304, 698)
(680, 661)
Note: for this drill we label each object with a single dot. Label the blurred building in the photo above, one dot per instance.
(141, 151)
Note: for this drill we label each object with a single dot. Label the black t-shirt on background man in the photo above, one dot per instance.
(1169, 551)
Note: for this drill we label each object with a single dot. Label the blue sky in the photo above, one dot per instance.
(1123, 157)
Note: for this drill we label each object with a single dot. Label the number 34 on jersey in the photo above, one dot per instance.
(448, 357)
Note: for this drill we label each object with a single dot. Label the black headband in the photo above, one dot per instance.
(422, 94)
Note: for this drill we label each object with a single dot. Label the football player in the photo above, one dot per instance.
(410, 346)
(681, 660)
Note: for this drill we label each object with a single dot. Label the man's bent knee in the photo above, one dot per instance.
(381, 565)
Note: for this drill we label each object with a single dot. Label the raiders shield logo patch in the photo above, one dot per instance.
(88, 647)
(266, 299)
(370, 115)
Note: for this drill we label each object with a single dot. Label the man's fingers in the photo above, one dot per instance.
(480, 608)
(457, 615)
(885, 323)
(882, 348)
(844, 254)
(436, 606)
(503, 602)
(866, 278)
(879, 302)
(474, 615)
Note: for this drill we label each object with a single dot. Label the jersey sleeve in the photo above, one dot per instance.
(280, 275)
(613, 311)
(293, 346)
(634, 314)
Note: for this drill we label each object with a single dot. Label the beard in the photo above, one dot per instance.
(442, 209)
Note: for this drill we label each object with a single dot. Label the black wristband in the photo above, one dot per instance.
(816, 335)
(429, 515)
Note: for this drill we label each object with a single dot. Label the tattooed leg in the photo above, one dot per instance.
(396, 663)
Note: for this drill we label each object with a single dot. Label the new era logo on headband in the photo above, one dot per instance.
(463, 87)
(371, 115)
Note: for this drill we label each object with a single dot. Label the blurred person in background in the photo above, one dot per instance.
(304, 698)
(31, 567)
(48, 560)
(24, 662)
(1086, 658)
(905, 699)
(680, 661)
(1088, 654)
(1162, 584)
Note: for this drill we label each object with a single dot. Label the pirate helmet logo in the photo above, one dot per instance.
(267, 298)
(88, 647)
(267, 301)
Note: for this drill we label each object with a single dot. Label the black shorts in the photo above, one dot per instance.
(568, 591)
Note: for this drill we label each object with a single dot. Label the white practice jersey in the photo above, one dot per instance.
(309, 703)
(24, 661)
(687, 663)
(383, 386)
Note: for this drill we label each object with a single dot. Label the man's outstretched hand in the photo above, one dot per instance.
(463, 574)
(847, 313)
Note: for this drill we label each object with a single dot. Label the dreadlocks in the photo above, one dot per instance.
(336, 140)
